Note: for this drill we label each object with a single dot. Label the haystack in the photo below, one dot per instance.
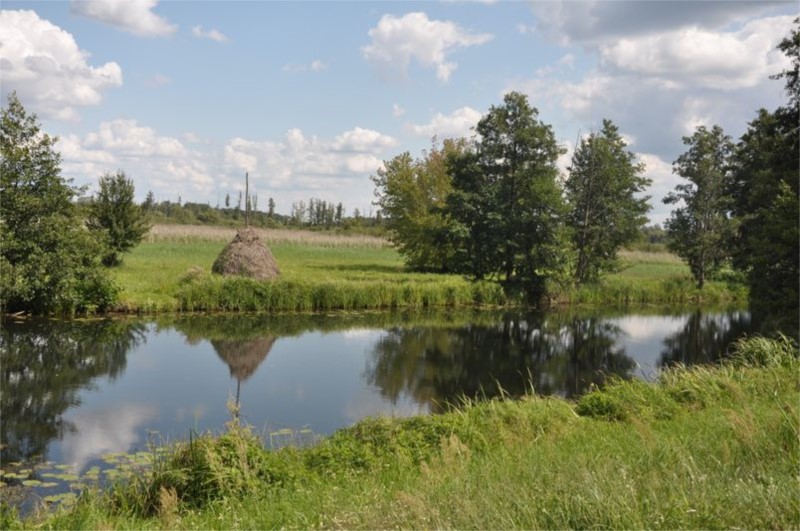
(246, 256)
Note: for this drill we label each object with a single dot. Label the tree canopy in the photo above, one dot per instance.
(606, 208)
(49, 263)
(700, 229)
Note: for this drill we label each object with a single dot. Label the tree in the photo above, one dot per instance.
(604, 210)
(48, 262)
(506, 199)
(413, 196)
(701, 230)
(114, 214)
(149, 202)
(765, 190)
(227, 200)
(270, 207)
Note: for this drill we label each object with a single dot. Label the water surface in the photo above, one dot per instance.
(76, 391)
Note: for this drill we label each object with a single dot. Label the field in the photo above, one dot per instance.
(334, 271)
(700, 448)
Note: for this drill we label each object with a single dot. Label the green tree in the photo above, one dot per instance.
(604, 210)
(270, 207)
(506, 199)
(412, 194)
(114, 214)
(149, 202)
(765, 190)
(48, 262)
(227, 200)
(701, 229)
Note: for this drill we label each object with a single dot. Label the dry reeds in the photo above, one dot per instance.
(188, 233)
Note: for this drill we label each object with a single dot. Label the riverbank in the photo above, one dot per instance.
(701, 448)
(170, 272)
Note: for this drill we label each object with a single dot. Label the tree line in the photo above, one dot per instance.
(494, 205)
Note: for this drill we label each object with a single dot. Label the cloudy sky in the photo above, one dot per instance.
(311, 97)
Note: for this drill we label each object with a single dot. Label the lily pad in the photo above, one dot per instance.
(64, 497)
(49, 475)
(48, 484)
(31, 483)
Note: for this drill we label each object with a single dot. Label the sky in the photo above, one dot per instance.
(310, 98)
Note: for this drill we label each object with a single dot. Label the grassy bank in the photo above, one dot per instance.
(170, 272)
(701, 448)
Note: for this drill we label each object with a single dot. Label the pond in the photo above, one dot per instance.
(79, 395)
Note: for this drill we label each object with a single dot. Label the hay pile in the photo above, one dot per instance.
(246, 256)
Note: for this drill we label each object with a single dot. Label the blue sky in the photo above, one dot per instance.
(310, 97)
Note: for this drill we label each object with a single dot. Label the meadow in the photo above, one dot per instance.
(170, 271)
(706, 447)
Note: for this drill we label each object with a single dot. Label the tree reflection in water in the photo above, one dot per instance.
(555, 354)
(705, 338)
(44, 366)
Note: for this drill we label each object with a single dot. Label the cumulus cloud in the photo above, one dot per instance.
(43, 63)
(459, 123)
(719, 60)
(596, 21)
(397, 111)
(212, 34)
(133, 16)
(309, 162)
(159, 163)
(316, 65)
(662, 85)
(398, 40)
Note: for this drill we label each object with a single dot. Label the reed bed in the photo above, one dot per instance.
(201, 233)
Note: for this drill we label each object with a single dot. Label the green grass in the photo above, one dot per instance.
(155, 278)
(700, 448)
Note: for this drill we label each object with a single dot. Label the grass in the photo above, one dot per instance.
(700, 448)
(328, 271)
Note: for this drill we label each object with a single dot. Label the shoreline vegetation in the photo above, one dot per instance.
(701, 447)
(323, 272)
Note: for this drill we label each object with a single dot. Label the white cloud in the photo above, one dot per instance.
(396, 41)
(158, 80)
(43, 63)
(456, 124)
(397, 111)
(299, 165)
(159, 163)
(596, 21)
(664, 181)
(212, 34)
(719, 60)
(133, 16)
(363, 140)
(314, 66)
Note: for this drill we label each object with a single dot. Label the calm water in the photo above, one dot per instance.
(75, 391)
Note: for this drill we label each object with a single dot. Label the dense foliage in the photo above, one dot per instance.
(413, 194)
(506, 202)
(116, 217)
(48, 261)
(700, 229)
(606, 208)
(764, 192)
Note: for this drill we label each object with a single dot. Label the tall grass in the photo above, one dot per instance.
(700, 448)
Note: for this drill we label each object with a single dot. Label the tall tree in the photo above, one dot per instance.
(270, 207)
(412, 193)
(149, 202)
(701, 229)
(48, 261)
(606, 209)
(506, 198)
(114, 214)
(765, 189)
